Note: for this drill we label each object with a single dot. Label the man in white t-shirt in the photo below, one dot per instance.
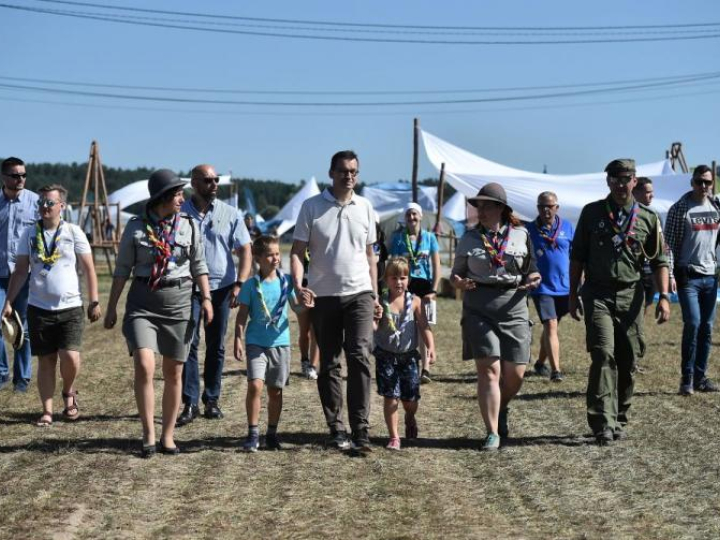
(338, 228)
(50, 248)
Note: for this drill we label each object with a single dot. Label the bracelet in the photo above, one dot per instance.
(207, 298)
(239, 283)
(93, 305)
(664, 296)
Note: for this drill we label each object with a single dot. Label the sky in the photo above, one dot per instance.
(568, 134)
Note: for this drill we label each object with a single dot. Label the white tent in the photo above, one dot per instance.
(287, 216)
(138, 192)
(467, 173)
(390, 198)
(454, 208)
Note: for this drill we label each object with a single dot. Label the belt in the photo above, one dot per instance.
(165, 283)
(501, 286)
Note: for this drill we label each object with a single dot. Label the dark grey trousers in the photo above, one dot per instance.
(344, 324)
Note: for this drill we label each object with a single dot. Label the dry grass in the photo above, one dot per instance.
(84, 480)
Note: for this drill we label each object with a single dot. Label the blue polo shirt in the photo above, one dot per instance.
(223, 231)
(15, 216)
(553, 262)
(424, 250)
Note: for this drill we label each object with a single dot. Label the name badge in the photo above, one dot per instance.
(616, 240)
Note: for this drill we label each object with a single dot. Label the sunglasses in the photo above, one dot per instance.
(704, 183)
(620, 179)
(211, 179)
(47, 203)
(16, 176)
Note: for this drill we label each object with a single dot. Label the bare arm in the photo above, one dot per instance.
(244, 254)
(88, 266)
(240, 322)
(297, 272)
(576, 271)
(424, 328)
(207, 308)
(17, 280)
(662, 311)
(372, 263)
(436, 270)
(118, 284)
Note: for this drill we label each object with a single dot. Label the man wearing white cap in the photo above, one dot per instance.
(422, 251)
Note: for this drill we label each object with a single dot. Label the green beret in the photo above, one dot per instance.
(617, 166)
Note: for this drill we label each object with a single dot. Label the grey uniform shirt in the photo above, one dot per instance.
(136, 254)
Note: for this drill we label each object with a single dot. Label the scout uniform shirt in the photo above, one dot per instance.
(613, 255)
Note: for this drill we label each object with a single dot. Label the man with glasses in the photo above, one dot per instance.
(692, 234)
(18, 210)
(338, 227)
(613, 238)
(551, 238)
(223, 232)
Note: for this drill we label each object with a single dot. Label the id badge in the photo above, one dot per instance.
(616, 240)
(43, 273)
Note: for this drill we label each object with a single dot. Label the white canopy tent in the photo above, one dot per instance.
(138, 192)
(454, 208)
(287, 216)
(467, 173)
(390, 198)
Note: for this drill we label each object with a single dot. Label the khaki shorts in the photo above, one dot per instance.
(269, 364)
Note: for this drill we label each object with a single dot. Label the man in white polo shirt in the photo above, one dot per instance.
(338, 228)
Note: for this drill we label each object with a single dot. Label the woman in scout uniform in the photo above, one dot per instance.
(163, 250)
(495, 266)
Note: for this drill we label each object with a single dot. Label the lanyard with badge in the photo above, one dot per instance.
(48, 254)
(413, 253)
(622, 237)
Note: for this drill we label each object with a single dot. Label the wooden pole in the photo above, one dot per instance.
(416, 144)
(441, 188)
(714, 175)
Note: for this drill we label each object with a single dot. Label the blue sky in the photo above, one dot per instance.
(570, 135)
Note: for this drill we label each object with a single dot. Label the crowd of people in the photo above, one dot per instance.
(356, 297)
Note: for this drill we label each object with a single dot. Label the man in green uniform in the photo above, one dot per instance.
(613, 238)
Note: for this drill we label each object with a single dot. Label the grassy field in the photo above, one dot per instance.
(84, 480)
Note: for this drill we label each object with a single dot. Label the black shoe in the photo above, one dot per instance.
(620, 434)
(605, 437)
(503, 429)
(212, 411)
(174, 451)
(190, 413)
(272, 442)
(557, 376)
(338, 440)
(425, 377)
(148, 451)
(541, 369)
(21, 387)
(361, 442)
(706, 385)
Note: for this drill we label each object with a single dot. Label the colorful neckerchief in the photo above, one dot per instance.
(495, 247)
(404, 316)
(272, 319)
(162, 237)
(549, 233)
(412, 253)
(617, 224)
(48, 255)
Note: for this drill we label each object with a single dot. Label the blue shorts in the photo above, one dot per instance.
(551, 307)
(397, 375)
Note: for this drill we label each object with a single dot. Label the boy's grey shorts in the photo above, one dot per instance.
(269, 364)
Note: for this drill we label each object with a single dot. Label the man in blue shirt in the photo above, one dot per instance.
(18, 210)
(551, 238)
(223, 231)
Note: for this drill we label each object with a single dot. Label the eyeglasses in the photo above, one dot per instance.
(347, 172)
(211, 179)
(544, 206)
(16, 176)
(47, 203)
(704, 183)
(620, 179)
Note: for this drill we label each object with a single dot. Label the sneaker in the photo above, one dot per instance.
(312, 374)
(503, 430)
(686, 388)
(411, 429)
(541, 369)
(706, 385)
(251, 444)
(21, 387)
(338, 440)
(557, 376)
(619, 434)
(272, 442)
(305, 367)
(394, 444)
(425, 377)
(491, 443)
(4, 381)
(361, 442)
(605, 437)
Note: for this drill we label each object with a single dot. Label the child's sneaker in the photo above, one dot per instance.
(411, 429)
(491, 443)
(394, 444)
(312, 374)
(425, 377)
(272, 442)
(251, 444)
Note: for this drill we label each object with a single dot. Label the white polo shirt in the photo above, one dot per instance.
(337, 236)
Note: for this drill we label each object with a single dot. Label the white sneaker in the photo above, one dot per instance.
(305, 368)
(312, 374)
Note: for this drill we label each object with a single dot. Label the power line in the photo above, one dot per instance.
(135, 22)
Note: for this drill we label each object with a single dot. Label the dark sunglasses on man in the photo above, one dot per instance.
(16, 176)
(211, 179)
(704, 183)
(46, 203)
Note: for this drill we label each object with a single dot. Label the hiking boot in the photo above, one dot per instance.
(251, 444)
(411, 429)
(556, 376)
(605, 437)
(491, 443)
(272, 442)
(686, 388)
(541, 369)
(706, 385)
(503, 429)
(338, 440)
(425, 377)
(394, 444)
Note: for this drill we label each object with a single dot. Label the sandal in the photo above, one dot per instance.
(45, 420)
(71, 412)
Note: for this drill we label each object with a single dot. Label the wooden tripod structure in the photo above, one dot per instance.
(677, 157)
(92, 215)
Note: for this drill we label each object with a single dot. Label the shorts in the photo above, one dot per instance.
(397, 375)
(420, 287)
(551, 307)
(269, 364)
(51, 331)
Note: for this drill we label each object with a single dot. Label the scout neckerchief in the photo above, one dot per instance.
(549, 233)
(618, 223)
(162, 237)
(272, 319)
(404, 316)
(495, 246)
(412, 253)
(48, 254)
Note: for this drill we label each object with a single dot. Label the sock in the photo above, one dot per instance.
(253, 431)
(271, 430)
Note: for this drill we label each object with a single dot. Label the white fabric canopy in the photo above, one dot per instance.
(455, 207)
(138, 191)
(467, 173)
(390, 198)
(287, 216)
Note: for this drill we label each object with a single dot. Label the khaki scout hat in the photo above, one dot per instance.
(619, 166)
(162, 181)
(490, 192)
(13, 331)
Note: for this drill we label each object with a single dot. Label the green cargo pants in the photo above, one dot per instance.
(613, 323)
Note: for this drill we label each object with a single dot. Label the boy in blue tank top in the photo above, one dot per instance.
(396, 350)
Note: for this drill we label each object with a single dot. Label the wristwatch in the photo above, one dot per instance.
(239, 284)
(664, 296)
(208, 298)
(93, 305)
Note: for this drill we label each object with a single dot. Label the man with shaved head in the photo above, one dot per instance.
(223, 232)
